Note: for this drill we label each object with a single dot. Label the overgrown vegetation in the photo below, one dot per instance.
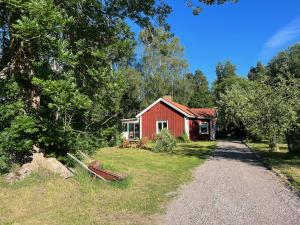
(60, 89)
(164, 141)
(47, 199)
(265, 106)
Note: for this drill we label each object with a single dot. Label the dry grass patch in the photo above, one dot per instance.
(44, 198)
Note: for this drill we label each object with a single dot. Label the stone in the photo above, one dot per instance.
(39, 162)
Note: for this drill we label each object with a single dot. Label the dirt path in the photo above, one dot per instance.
(233, 188)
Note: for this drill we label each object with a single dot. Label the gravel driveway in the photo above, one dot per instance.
(233, 188)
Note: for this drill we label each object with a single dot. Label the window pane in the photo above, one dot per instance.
(204, 128)
(165, 125)
(136, 130)
(131, 130)
(159, 126)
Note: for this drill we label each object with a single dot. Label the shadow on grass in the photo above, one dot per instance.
(201, 152)
(279, 158)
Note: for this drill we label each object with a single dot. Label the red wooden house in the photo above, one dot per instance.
(198, 123)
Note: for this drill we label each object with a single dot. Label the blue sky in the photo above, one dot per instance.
(244, 33)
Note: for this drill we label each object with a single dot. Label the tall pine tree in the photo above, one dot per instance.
(201, 96)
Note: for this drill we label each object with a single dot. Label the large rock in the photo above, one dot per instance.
(39, 162)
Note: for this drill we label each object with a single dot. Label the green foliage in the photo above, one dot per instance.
(133, 94)
(60, 82)
(163, 67)
(285, 64)
(293, 140)
(201, 96)
(265, 111)
(226, 77)
(225, 70)
(257, 73)
(165, 142)
(236, 128)
(5, 163)
(197, 8)
(184, 138)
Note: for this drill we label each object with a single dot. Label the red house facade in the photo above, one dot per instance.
(198, 123)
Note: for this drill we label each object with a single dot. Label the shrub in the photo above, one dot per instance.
(4, 162)
(142, 143)
(165, 142)
(183, 138)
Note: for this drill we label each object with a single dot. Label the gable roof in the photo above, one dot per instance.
(179, 106)
(188, 112)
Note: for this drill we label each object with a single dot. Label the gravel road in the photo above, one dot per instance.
(233, 188)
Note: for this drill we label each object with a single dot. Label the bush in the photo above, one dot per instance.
(183, 138)
(165, 142)
(4, 162)
(142, 143)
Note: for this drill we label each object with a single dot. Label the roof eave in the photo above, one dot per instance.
(167, 103)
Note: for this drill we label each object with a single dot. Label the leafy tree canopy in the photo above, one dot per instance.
(265, 111)
(258, 72)
(163, 66)
(201, 96)
(60, 84)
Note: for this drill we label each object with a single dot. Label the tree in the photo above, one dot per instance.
(225, 70)
(226, 76)
(265, 111)
(197, 8)
(162, 66)
(132, 98)
(59, 78)
(287, 65)
(257, 73)
(201, 95)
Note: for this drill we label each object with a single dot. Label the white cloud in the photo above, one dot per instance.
(283, 36)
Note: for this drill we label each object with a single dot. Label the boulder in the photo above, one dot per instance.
(39, 162)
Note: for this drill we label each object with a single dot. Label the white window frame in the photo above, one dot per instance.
(200, 131)
(161, 121)
(126, 133)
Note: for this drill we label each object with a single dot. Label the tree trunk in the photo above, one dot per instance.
(293, 140)
(273, 145)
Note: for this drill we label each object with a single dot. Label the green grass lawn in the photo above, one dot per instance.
(282, 161)
(153, 177)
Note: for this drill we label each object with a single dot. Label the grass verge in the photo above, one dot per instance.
(44, 198)
(282, 161)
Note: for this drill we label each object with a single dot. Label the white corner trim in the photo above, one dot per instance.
(187, 127)
(166, 102)
(141, 129)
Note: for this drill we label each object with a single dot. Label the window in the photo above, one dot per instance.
(203, 128)
(160, 125)
(131, 130)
